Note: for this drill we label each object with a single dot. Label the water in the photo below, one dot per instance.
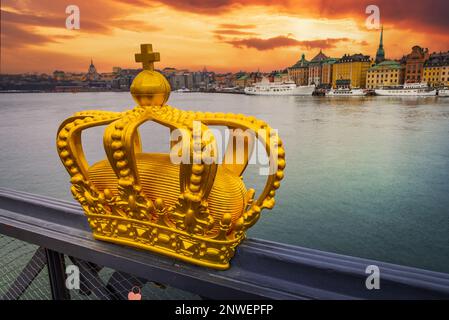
(367, 177)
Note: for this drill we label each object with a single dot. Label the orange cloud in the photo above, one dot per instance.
(233, 32)
(236, 26)
(223, 34)
(283, 41)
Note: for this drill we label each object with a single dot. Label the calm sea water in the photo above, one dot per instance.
(367, 177)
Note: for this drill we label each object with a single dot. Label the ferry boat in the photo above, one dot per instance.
(408, 89)
(443, 92)
(267, 88)
(346, 92)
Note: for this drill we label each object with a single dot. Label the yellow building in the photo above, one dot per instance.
(436, 69)
(280, 77)
(351, 71)
(299, 72)
(384, 74)
(243, 81)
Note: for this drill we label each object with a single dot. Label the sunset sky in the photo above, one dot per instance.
(222, 35)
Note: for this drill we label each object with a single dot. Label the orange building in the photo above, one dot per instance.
(414, 64)
(315, 68)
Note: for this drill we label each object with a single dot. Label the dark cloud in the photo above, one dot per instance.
(200, 6)
(284, 41)
(210, 7)
(48, 21)
(417, 15)
(264, 44)
(14, 36)
(18, 28)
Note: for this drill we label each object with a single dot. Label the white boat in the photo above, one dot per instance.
(287, 88)
(228, 89)
(408, 89)
(443, 92)
(183, 90)
(346, 92)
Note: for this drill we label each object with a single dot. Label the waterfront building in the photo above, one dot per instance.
(414, 64)
(315, 69)
(185, 79)
(380, 54)
(326, 71)
(242, 81)
(108, 76)
(124, 79)
(58, 75)
(178, 79)
(279, 76)
(202, 80)
(351, 71)
(92, 74)
(181, 80)
(224, 80)
(283, 76)
(436, 69)
(168, 71)
(73, 76)
(299, 72)
(37, 82)
(384, 74)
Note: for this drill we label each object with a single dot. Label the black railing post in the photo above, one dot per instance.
(56, 273)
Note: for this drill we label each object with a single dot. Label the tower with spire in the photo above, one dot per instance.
(92, 74)
(380, 54)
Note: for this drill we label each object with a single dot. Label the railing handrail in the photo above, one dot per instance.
(260, 269)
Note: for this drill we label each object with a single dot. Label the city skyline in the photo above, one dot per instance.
(224, 36)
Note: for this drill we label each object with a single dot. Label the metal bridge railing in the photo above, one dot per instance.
(25, 274)
(40, 236)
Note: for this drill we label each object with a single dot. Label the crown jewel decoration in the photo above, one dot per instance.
(197, 212)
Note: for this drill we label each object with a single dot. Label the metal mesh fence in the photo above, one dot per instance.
(24, 275)
(15, 256)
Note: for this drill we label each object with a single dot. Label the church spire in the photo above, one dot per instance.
(381, 44)
(380, 54)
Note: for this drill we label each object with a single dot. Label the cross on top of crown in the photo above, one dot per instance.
(147, 56)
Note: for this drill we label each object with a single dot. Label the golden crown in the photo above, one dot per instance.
(197, 212)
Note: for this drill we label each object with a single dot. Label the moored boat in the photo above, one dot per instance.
(346, 92)
(443, 92)
(408, 89)
(267, 88)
